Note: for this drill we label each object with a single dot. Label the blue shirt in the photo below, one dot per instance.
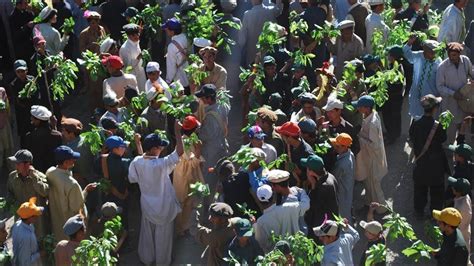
(344, 174)
(256, 179)
(339, 252)
(25, 245)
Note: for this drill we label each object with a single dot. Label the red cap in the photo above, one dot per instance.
(38, 39)
(114, 61)
(190, 122)
(289, 129)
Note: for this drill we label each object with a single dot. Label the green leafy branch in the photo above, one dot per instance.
(178, 108)
(94, 139)
(301, 58)
(281, 160)
(304, 250)
(274, 257)
(150, 19)
(195, 70)
(445, 119)
(398, 226)
(64, 76)
(376, 254)
(272, 35)
(223, 98)
(417, 251)
(381, 80)
(243, 157)
(146, 57)
(257, 72)
(190, 141)
(104, 185)
(251, 117)
(246, 211)
(433, 233)
(91, 61)
(48, 244)
(328, 30)
(199, 189)
(68, 26)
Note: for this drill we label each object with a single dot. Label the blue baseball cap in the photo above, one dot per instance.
(364, 101)
(307, 125)
(115, 142)
(256, 132)
(63, 153)
(172, 24)
(154, 140)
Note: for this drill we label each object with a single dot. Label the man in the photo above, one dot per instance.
(453, 73)
(257, 137)
(43, 139)
(463, 165)
(177, 56)
(297, 148)
(252, 25)
(431, 163)
(417, 19)
(371, 161)
(26, 182)
(336, 124)
(453, 23)
(131, 54)
(308, 110)
(244, 245)
(375, 22)
(338, 243)
(217, 73)
(373, 231)
(25, 244)
(266, 119)
(21, 25)
(453, 250)
(55, 43)
(308, 131)
(322, 188)
(462, 202)
(158, 200)
(66, 198)
(112, 18)
(425, 66)
(113, 112)
(344, 173)
(75, 229)
(279, 181)
(22, 106)
(213, 132)
(154, 81)
(71, 132)
(274, 81)
(281, 220)
(115, 85)
(348, 46)
(217, 238)
(157, 118)
(358, 12)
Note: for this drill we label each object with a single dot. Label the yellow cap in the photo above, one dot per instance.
(29, 209)
(449, 216)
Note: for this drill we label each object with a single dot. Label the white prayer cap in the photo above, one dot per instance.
(345, 24)
(45, 12)
(201, 42)
(375, 2)
(152, 67)
(40, 112)
(333, 104)
(106, 44)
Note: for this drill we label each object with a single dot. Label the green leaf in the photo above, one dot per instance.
(417, 251)
(199, 189)
(68, 26)
(433, 233)
(445, 119)
(376, 254)
(271, 36)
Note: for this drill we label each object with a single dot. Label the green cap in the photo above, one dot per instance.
(313, 162)
(296, 91)
(461, 185)
(463, 150)
(243, 227)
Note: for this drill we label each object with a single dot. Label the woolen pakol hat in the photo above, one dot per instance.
(40, 112)
(430, 44)
(258, 153)
(372, 227)
(277, 176)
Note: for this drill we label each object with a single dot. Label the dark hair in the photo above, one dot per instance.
(177, 31)
(374, 7)
(430, 109)
(270, 202)
(321, 172)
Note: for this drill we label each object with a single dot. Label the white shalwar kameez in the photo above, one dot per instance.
(129, 53)
(159, 206)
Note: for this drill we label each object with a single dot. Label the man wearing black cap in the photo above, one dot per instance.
(113, 110)
(27, 182)
(131, 54)
(431, 165)
(158, 200)
(213, 133)
(217, 238)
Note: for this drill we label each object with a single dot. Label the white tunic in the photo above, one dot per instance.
(176, 60)
(162, 83)
(452, 27)
(373, 22)
(129, 53)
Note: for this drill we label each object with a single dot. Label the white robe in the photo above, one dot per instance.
(129, 52)
(159, 206)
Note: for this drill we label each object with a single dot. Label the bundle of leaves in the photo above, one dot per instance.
(399, 34)
(304, 250)
(257, 72)
(98, 250)
(381, 80)
(298, 26)
(199, 189)
(178, 108)
(223, 98)
(302, 58)
(104, 185)
(30, 89)
(68, 26)
(251, 117)
(272, 35)
(64, 76)
(433, 233)
(398, 226)
(376, 254)
(328, 30)
(150, 19)
(378, 43)
(274, 257)
(278, 162)
(245, 210)
(195, 70)
(445, 119)
(205, 22)
(91, 61)
(93, 138)
(418, 251)
(146, 57)
(243, 157)
(190, 141)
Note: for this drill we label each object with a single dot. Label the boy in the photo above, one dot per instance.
(462, 202)
(371, 161)
(344, 173)
(244, 245)
(75, 229)
(131, 53)
(373, 231)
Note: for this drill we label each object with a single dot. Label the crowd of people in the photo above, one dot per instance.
(315, 133)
